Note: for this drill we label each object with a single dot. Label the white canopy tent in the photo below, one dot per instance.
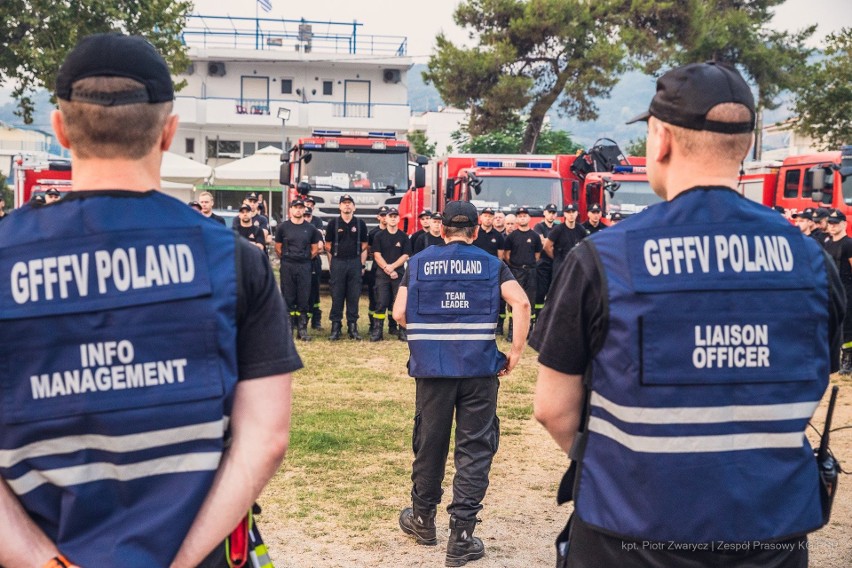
(260, 170)
(178, 169)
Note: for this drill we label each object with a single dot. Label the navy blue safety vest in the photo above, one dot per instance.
(715, 358)
(451, 314)
(117, 370)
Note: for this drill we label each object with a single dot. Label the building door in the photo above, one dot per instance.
(356, 99)
(255, 95)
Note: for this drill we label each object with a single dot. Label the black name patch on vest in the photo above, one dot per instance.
(110, 270)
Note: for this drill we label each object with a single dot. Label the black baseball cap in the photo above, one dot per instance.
(686, 94)
(521, 210)
(551, 207)
(820, 213)
(345, 197)
(297, 203)
(383, 210)
(426, 213)
(115, 55)
(393, 211)
(309, 199)
(309, 210)
(195, 205)
(52, 191)
(244, 207)
(570, 207)
(436, 216)
(251, 196)
(807, 213)
(836, 216)
(460, 214)
(487, 211)
(595, 208)
(616, 216)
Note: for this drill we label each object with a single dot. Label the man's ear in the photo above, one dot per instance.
(663, 148)
(169, 131)
(57, 121)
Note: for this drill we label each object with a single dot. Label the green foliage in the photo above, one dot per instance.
(667, 33)
(510, 140)
(636, 147)
(824, 102)
(37, 35)
(531, 55)
(420, 143)
(6, 193)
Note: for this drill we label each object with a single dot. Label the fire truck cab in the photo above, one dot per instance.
(34, 176)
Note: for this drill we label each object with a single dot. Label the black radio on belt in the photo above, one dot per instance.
(829, 467)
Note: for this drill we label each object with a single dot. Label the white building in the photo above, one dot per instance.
(439, 126)
(325, 73)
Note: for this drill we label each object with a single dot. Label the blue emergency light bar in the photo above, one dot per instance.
(629, 170)
(513, 164)
(354, 134)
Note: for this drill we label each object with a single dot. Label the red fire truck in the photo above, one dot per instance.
(373, 167)
(823, 179)
(34, 176)
(503, 182)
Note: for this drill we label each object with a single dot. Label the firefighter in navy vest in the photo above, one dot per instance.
(297, 243)
(688, 442)
(448, 302)
(346, 246)
(135, 335)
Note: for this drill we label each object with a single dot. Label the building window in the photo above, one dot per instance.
(327, 87)
(249, 148)
(223, 149)
(189, 147)
(286, 86)
(263, 144)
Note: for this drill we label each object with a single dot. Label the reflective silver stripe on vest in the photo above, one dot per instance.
(116, 444)
(75, 475)
(696, 444)
(415, 326)
(706, 414)
(450, 328)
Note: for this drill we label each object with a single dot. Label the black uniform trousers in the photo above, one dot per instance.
(474, 401)
(296, 286)
(345, 287)
(385, 290)
(314, 297)
(526, 277)
(543, 277)
(370, 280)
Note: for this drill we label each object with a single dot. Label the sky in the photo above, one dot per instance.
(422, 20)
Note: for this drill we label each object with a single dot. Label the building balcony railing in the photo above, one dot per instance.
(305, 36)
(317, 114)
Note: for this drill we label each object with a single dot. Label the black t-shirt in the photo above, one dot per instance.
(217, 218)
(571, 328)
(564, 238)
(522, 247)
(296, 240)
(491, 241)
(592, 229)
(253, 233)
(391, 246)
(346, 238)
(257, 220)
(542, 229)
(841, 252)
(426, 241)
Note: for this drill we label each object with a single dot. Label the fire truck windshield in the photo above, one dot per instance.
(632, 197)
(354, 170)
(509, 193)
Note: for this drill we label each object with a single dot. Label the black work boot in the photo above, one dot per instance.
(499, 330)
(336, 328)
(402, 335)
(846, 362)
(302, 332)
(462, 546)
(353, 331)
(376, 330)
(316, 319)
(419, 523)
(393, 328)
